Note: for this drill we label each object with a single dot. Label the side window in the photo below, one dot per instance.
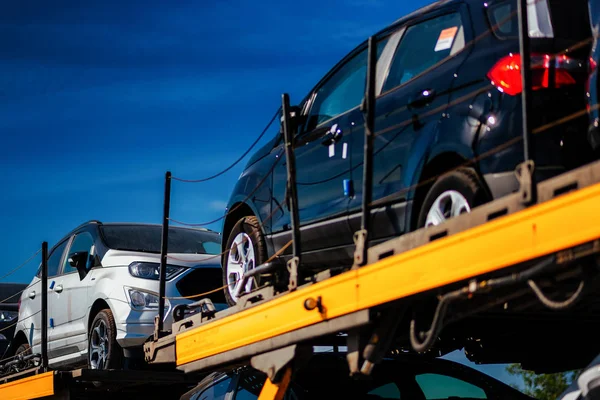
(343, 91)
(250, 385)
(503, 19)
(423, 46)
(83, 242)
(55, 258)
(214, 392)
(387, 391)
(435, 386)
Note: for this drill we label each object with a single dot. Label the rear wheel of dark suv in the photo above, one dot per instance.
(454, 193)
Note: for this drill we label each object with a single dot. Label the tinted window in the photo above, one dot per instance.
(83, 242)
(215, 392)
(147, 238)
(503, 19)
(386, 391)
(423, 46)
(435, 386)
(250, 385)
(344, 90)
(55, 258)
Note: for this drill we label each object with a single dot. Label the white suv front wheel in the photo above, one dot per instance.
(103, 350)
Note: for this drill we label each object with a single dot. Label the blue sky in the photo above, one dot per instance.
(99, 98)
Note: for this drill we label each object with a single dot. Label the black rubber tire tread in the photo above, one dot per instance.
(463, 180)
(24, 348)
(251, 226)
(114, 358)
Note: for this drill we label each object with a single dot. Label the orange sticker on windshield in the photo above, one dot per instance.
(446, 38)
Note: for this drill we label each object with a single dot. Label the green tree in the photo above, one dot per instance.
(543, 386)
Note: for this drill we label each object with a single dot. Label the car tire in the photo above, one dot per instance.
(453, 193)
(103, 350)
(237, 259)
(24, 349)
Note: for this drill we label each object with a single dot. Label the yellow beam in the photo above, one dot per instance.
(543, 229)
(32, 387)
(276, 391)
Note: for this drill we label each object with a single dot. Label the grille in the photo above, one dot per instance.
(202, 280)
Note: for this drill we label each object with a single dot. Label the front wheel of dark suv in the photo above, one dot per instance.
(246, 249)
(452, 194)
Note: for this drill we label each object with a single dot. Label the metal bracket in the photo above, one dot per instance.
(360, 240)
(524, 173)
(292, 266)
(274, 363)
(381, 338)
(156, 327)
(353, 356)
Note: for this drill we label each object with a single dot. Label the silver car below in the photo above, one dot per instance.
(103, 291)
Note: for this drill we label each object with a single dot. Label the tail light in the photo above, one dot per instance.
(547, 71)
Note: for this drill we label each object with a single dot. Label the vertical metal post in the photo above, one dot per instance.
(361, 238)
(288, 137)
(528, 145)
(163, 253)
(45, 306)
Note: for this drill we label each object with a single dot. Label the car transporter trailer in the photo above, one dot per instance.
(509, 251)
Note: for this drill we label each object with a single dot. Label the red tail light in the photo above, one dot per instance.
(506, 73)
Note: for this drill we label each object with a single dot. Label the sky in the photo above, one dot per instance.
(98, 99)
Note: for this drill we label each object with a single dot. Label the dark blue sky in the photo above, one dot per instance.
(99, 98)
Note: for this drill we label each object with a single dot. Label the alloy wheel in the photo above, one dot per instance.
(447, 205)
(241, 259)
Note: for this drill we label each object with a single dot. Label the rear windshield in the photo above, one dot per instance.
(503, 19)
(559, 19)
(148, 239)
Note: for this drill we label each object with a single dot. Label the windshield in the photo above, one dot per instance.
(147, 238)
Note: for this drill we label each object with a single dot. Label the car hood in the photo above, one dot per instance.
(116, 258)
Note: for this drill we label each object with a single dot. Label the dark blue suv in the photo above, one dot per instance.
(448, 132)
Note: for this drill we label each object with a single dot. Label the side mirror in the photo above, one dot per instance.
(79, 261)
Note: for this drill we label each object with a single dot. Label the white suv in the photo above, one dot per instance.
(103, 291)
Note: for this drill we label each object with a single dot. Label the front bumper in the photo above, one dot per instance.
(134, 327)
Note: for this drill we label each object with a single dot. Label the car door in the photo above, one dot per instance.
(68, 300)
(322, 150)
(413, 97)
(30, 311)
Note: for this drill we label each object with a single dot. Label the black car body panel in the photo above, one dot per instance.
(9, 295)
(593, 89)
(432, 117)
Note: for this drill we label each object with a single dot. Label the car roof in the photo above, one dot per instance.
(424, 9)
(99, 223)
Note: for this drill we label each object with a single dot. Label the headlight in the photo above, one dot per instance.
(140, 300)
(8, 316)
(147, 270)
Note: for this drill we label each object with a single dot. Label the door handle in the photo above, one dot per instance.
(422, 98)
(333, 135)
(58, 288)
(32, 295)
